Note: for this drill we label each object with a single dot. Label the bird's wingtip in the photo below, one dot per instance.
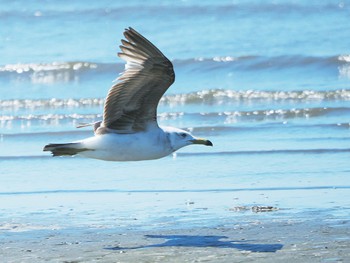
(129, 29)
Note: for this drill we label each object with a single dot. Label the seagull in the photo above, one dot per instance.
(129, 130)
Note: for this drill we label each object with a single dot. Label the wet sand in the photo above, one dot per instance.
(318, 239)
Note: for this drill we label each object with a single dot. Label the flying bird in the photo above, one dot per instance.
(129, 130)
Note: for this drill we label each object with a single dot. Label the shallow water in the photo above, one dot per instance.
(267, 83)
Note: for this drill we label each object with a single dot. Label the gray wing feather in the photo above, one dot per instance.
(131, 104)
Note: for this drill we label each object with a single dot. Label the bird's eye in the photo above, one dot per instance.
(183, 135)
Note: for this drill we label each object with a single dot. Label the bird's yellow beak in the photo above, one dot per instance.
(202, 141)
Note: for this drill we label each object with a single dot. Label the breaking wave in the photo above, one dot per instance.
(76, 71)
(215, 96)
(225, 117)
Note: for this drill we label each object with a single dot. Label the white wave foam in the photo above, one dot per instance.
(54, 66)
(46, 73)
(227, 96)
(215, 96)
(226, 117)
(345, 58)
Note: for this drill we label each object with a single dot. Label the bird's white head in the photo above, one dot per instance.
(180, 138)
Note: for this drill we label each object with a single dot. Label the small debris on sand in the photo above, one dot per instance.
(255, 209)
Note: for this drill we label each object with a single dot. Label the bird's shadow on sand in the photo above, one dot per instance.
(203, 241)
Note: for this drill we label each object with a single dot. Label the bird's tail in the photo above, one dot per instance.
(64, 149)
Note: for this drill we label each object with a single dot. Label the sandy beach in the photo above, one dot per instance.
(285, 241)
(199, 234)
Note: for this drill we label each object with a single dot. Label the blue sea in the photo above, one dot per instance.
(268, 82)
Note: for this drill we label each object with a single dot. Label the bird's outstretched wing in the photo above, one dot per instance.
(131, 104)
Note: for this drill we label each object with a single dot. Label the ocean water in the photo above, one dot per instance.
(268, 82)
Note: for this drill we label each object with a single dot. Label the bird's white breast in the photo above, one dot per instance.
(152, 144)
